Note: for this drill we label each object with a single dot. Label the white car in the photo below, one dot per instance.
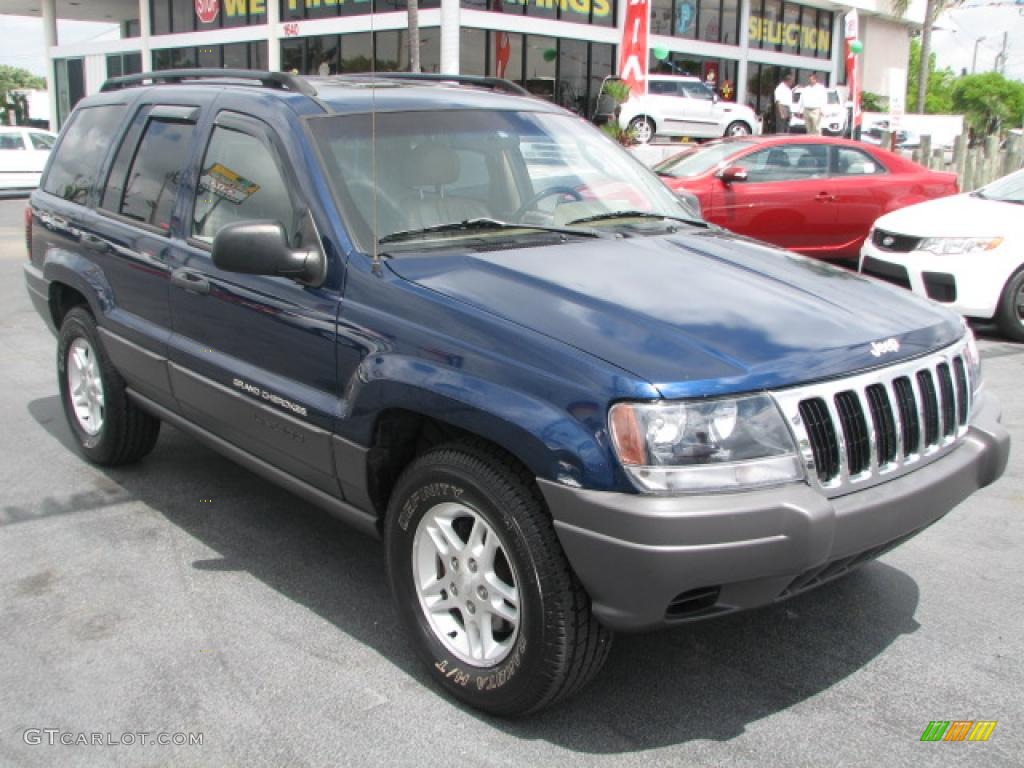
(833, 115)
(23, 155)
(676, 105)
(964, 251)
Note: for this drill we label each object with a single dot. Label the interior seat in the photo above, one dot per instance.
(432, 167)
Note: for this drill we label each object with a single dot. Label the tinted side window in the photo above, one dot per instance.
(239, 181)
(661, 88)
(41, 141)
(853, 162)
(11, 141)
(697, 91)
(148, 190)
(74, 168)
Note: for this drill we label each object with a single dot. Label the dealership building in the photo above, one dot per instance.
(558, 49)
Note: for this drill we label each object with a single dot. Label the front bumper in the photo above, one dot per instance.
(962, 283)
(653, 561)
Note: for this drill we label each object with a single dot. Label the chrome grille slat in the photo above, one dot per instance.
(859, 431)
(960, 373)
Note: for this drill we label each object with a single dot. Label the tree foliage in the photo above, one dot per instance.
(939, 93)
(12, 78)
(989, 102)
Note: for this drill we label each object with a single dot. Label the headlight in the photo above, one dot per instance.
(707, 445)
(973, 359)
(944, 246)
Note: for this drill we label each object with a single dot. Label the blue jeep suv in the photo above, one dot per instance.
(463, 320)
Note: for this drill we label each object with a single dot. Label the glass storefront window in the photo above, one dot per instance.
(472, 51)
(356, 52)
(541, 57)
(661, 17)
(599, 12)
(176, 16)
(824, 42)
(571, 91)
(119, 64)
(730, 22)
(233, 56)
(709, 18)
(296, 10)
(790, 32)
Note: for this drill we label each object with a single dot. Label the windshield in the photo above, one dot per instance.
(699, 160)
(425, 170)
(1009, 189)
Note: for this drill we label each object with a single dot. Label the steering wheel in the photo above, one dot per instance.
(532, 202)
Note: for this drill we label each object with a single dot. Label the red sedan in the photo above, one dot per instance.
(814, 195)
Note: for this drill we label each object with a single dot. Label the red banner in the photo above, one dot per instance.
(633, 54)
(502, 47)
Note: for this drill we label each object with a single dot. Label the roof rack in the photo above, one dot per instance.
(279, 80)
(494, 83)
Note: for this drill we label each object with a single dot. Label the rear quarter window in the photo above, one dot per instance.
(76, 164)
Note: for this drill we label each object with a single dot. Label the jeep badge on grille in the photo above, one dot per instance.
(879, 348)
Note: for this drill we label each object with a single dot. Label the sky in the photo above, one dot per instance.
(957, 31)
(23, 39)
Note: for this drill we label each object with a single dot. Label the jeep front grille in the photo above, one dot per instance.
(856, 432)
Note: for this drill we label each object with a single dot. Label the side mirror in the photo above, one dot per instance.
(261, 248)
(732, 173)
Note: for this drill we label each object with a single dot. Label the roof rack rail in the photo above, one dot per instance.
(279, 80)
(494, 83)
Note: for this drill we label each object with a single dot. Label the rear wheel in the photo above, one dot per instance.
(642, 129)
(483, 586)
(109, 428)
(737, 128)
(1010, 314)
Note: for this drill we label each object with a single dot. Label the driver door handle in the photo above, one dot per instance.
(192, 282)
(825, 197)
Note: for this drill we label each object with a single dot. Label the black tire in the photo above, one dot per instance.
(642, 127)
(737, 128)
(1010, 314)
(126, 433)
(559, 646)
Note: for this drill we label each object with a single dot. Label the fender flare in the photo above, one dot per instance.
(552, 442)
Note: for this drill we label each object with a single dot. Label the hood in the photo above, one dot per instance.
(693, 314)
(955, 216)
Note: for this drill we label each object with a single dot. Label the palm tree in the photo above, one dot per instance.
(414, 35)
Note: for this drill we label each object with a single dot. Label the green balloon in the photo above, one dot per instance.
(660, 53)
(550, 54)
(856, 46)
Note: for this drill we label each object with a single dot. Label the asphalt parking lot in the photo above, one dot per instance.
(187, 596)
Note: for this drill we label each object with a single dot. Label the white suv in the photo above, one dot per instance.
(833, 116)
(684, 106)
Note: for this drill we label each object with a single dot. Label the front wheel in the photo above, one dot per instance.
(642, 129)
(737, 128)
(482, 584)
(1010, 314)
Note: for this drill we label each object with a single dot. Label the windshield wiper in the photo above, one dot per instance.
(636, 215)
(470, 225)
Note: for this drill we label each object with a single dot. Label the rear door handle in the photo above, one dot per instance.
(94, 243)
(190, 281)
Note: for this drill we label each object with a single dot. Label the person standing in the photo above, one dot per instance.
(813, 99)
(784, 103)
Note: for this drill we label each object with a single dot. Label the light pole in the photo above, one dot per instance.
(974, 59)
